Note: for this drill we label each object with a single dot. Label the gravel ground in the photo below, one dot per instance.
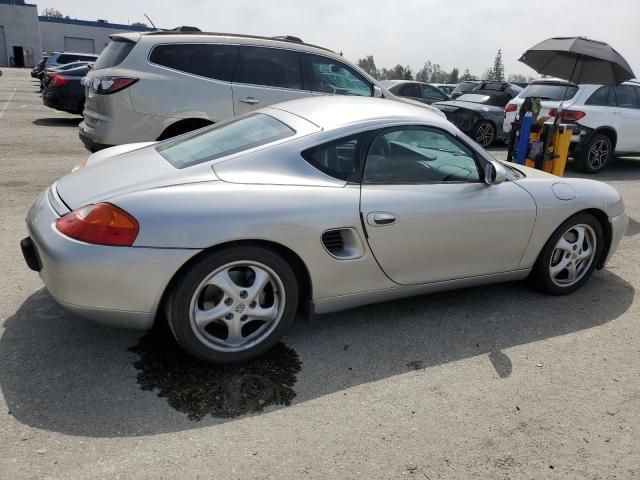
(494, 382)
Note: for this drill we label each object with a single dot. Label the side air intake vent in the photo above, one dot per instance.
(333, 241)
(343, 243)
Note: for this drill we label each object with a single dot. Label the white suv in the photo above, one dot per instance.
(607, 119)
(152, 86)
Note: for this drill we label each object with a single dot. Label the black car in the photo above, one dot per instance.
(39, 68)
(64, 90)
(421, 92)
(464, 87)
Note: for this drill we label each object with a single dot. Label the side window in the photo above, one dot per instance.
(206, 60)
(602, 97)
(271, 67)
(626, 96)
(419, 155)
(431, 93)
(338, 159)
(410, 90)
(331, 76)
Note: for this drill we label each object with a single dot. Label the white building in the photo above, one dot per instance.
(24, 34)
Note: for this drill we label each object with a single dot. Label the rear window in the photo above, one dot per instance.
(206, 60)
(224, 139)
(114, 54)
(69, 57)
(550, 91)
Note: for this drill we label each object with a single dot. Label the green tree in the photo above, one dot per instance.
(396, 73)
(498, 67)
(52, 12)
(368, 64)
(453, 76)
(425, 73)
(516, 77)
(466, 76)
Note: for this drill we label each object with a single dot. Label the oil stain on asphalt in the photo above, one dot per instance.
(198, 389)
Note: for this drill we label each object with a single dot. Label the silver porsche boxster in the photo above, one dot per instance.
(305, 207)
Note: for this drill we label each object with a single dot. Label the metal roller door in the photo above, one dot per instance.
(80, 45)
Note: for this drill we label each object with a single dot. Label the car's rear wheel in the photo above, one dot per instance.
(484, 133)
(569, 256)
(596, 153)
(233, 305)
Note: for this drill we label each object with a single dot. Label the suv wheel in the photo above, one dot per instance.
(596, 153)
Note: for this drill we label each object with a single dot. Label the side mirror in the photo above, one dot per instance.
(377, 92)
(494, 173)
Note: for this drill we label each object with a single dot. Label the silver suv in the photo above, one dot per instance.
(152, 86)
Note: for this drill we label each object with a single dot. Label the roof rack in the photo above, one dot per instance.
(284, 38)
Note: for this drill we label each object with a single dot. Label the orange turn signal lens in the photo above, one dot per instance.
(100, 224)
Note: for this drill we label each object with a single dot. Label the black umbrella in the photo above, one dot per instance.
(578, 60)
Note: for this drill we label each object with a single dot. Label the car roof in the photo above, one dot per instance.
(334, 111)
(190, 35)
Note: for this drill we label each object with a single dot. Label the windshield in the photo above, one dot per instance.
(550, 91)
(224, 139)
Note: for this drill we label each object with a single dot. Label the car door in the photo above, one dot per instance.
(431, 94)
(265, 76)
(626, 119)
(429, 215)
(326, 75)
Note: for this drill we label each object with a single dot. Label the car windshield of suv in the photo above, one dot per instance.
(223, 139)
(550, 91)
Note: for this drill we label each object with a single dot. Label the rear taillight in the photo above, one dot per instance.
(57, 80)
(108, 85)
(511, 107)
(101, 224)
(567, 115)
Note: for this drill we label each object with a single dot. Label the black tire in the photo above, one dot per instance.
(595, 153)
(484, 133)
(541, 277)
(184, 288)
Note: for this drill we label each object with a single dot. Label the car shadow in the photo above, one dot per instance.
(620, 168)
(58, 122)
(64, 374)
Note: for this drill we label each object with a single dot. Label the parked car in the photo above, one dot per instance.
(606, 120)
(309, 206)
(64, 90)
(56, 59)
(479, 114)
(156, 85)
(421, 92)
(447, 88)
(60, 68)
(35, 71)
(464, 87)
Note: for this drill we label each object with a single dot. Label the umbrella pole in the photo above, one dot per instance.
(566, 90)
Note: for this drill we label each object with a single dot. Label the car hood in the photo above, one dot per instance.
(129, 172)
(453, 105)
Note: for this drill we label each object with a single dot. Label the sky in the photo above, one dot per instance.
(460, 33)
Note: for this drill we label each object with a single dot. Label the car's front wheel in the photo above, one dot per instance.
(596, 153)
(569, 256)
(233, 305)
(484, 133)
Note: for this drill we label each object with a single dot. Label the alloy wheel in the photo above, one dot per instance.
(485, 134)
(237, 306)
(573, 255)
(598, 154)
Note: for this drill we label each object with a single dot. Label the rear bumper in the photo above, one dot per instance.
(120, 286)
(89, 144)
(59, 100)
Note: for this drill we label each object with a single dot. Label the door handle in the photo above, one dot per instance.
(379, 219)
(249, 100)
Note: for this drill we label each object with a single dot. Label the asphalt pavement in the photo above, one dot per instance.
(493, 382)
